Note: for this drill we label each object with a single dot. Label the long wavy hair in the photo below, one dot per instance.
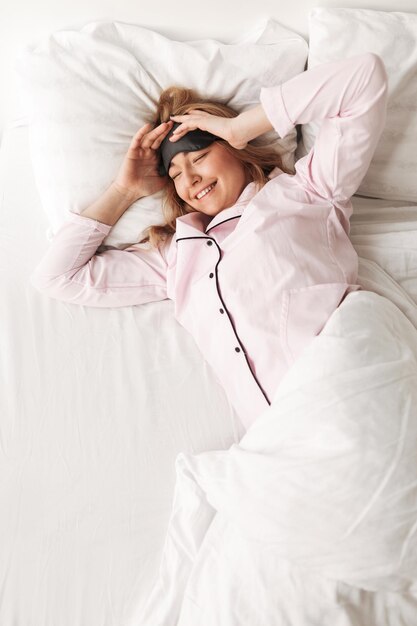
(259, 161)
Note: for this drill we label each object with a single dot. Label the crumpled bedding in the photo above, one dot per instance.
(311, 518)
(95, 409)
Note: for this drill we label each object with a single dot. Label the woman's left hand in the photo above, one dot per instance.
(226, 128)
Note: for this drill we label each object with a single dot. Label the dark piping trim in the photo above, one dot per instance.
(228, 314)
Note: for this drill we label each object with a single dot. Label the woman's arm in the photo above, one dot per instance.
(251, 123)
(350, 97)
(72, 270)
(111, 205)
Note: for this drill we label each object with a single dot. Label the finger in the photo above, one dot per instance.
(181, 131)
(155, 136)
(161, 136)
(140, 133)
(179, 118)
(154, 131)
(185, 127)
(156, 144)
(192, 112)
(187, 123)
(178, 136)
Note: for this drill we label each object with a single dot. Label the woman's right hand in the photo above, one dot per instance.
(138, 175)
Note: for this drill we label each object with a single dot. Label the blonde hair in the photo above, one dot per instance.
(258, 161)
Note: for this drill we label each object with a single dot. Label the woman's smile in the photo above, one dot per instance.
(207, 192)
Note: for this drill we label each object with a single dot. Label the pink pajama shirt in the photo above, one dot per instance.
(256, 283)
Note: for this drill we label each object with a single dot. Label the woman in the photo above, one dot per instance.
(255, 258)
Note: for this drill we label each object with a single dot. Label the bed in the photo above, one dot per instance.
(131, 493)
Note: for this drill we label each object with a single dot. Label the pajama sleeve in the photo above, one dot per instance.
(349, 96)
(73, 271)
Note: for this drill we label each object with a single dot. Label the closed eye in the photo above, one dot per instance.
(195, 160)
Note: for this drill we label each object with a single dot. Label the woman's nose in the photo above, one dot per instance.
(192, 178)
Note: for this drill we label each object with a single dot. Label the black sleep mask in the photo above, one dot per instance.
(193, 140)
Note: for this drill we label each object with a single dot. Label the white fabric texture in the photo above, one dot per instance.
(341, 33)
(100, 407)
(94, 408)
(320, 495)
(89, 91)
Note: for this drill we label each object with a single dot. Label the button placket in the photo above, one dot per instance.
(210, 243)
(221, 310)
(244, 364)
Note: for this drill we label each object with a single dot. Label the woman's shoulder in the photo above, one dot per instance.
(166, 243)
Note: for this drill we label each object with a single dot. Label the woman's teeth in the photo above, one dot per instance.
(205, 191)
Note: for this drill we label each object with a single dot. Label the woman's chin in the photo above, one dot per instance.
(212, 211)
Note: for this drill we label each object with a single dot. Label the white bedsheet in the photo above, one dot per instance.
(96, 405)
(316, 502)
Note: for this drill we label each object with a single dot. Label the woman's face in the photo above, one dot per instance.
(192, 172)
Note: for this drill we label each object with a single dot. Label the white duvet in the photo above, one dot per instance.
(311, 519)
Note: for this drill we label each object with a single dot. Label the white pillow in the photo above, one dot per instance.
(90, 90)
(342, 33)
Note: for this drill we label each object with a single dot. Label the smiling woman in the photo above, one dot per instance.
(256, 259)
(208, 144)
(210, 180)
